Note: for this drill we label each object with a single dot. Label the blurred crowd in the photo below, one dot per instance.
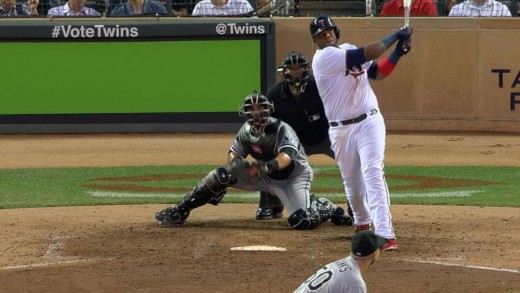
(254, 8)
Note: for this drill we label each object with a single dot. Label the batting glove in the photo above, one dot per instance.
(404, 33)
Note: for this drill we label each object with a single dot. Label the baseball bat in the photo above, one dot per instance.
(406, 5)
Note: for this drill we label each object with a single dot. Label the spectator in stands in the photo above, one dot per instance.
(9, 8)
(223, 8)
(478, 8)
(417, 8)
(73, 8)
(139, 7)
(181, 7)
(263, 7)
(449, 5)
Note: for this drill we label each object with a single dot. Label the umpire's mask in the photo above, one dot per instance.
(295, 71)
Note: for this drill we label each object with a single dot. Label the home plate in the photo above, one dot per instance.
(259, 248)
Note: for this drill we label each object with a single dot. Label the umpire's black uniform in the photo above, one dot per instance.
(306, 115)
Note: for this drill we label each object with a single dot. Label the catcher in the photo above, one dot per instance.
(280, 168)
(297, 102)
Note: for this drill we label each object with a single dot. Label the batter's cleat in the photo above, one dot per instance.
(339, 218)
(172, 216)
(390, 245)
(269, 214)
(360, 228)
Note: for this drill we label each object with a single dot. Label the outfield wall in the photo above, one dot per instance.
(461, 74)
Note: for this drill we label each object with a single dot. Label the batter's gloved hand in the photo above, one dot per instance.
(403, 47)
(404, 33)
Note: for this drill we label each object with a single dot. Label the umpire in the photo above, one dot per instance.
(297, 102)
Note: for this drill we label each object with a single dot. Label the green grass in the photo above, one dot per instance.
(476, 186)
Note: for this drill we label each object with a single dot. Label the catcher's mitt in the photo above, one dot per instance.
(244, 170)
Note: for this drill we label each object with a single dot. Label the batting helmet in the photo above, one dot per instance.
(322, 23)
(295, 59)
(257, 109)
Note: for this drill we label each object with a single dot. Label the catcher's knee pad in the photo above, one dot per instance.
(303, 220)
(210, 189)
(218, 180)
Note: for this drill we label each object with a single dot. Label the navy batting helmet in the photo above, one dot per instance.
(322, 23)
(295, 79)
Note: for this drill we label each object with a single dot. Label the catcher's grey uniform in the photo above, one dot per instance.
(291, 184)
(281, 167)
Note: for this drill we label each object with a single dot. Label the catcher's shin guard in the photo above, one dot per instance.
(329, 210)
(324, 207)
(304, 219)
(210, 189)
(339, 218)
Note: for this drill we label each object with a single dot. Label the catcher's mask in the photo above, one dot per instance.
(322, 23)
(295, 70)
(257, 110)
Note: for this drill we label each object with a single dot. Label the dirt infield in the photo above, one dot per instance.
(121, 249)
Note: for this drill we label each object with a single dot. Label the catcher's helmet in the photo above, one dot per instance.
(257, 110)
(295, 59)
(322, 23)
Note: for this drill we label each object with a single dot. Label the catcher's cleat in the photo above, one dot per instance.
(339, 218)
(268, 214)
(172, 216)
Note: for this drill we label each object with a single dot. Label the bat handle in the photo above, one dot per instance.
(406, 44)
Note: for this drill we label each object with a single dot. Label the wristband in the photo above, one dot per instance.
(394, 57)
(389, 40)
(272, 165)
(385, 66)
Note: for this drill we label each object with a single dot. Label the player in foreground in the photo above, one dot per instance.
(346, 274)
(280, 167)
(357, 129)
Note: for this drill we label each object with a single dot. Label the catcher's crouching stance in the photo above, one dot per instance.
(280, 168)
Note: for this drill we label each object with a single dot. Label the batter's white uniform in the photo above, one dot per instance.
(342, 275)
(358, 147)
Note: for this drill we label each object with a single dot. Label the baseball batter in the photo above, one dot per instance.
(346, 275)
(280, 167)
(357, 129)
(297, 102)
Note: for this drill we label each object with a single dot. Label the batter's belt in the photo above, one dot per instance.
(353, 120)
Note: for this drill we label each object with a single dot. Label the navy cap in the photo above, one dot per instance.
(366, 242)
